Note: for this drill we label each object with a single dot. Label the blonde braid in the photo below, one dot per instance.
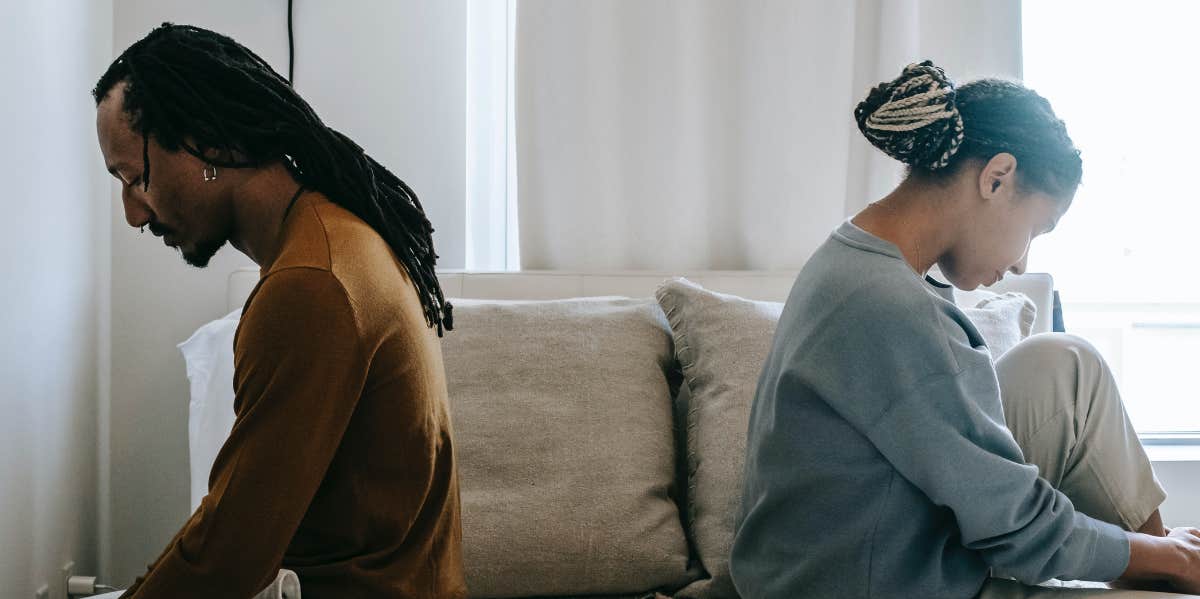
(914, 118)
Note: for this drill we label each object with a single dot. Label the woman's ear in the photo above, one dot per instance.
(998, 177)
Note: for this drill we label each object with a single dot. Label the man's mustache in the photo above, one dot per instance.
(158, 229)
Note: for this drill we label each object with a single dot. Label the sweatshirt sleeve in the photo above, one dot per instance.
(299, 369)
(931, 406)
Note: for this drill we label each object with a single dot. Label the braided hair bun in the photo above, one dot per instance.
(913, 118)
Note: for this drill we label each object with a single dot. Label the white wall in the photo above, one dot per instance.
(388, 74)
(1181, 478)
(53, 200)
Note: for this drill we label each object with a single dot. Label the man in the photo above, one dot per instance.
(340, 465)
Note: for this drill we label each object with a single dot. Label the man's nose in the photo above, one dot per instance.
(136, 213)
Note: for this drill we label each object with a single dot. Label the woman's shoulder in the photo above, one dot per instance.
(849, 276)
(870, 298)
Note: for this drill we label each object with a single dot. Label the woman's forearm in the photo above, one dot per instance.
(1154, 558)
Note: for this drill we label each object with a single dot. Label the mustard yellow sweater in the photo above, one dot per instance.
(340, 465)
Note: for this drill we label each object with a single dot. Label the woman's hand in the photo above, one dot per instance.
(1187, 541)
(1173, 559)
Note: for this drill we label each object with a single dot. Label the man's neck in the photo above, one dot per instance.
(259, 205)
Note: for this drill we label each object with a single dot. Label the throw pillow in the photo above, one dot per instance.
(562, 417)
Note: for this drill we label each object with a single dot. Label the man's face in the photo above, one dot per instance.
(189, 213)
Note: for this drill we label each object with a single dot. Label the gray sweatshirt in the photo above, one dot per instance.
(878, 461)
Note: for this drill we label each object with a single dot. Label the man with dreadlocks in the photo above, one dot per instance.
(340, 465)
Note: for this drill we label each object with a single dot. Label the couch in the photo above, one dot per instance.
(600, 420)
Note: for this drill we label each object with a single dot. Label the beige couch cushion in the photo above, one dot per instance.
(722, 342)
(564, 439)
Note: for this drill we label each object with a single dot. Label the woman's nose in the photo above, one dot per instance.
(1019, 267)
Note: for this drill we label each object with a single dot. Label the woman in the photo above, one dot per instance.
(880, 460)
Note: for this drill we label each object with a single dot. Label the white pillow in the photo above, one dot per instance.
(1003, 319)
(209, 356)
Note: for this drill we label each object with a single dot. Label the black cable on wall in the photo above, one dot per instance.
(291, 47)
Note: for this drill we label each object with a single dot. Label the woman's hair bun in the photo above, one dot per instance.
(913, 118)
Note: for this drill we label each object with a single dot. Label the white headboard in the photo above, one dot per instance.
(758, 285)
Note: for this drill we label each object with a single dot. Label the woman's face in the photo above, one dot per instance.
(1002, 223)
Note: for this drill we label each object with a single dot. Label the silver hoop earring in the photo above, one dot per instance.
(213, 176)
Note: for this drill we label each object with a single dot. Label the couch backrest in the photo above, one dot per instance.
(750, 284)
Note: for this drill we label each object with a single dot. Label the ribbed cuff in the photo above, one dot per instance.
(1110, 554)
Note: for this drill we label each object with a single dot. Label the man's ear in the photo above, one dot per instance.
(998, 176)
(213, 155)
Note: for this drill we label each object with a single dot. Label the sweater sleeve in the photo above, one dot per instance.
(931, 406)
(299, 369)
(937, 437)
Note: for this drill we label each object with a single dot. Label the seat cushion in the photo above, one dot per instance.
(1000, 588)
(562, 416)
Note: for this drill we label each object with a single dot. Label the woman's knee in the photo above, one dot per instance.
(1058, 368)
(1052, 351)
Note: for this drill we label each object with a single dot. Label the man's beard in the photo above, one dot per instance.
(202, 253)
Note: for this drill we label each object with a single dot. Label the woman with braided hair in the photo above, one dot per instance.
(887, 455)
(340, 465)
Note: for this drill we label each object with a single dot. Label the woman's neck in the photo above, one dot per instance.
(919, 218)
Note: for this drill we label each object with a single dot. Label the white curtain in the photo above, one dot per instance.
(717, 134)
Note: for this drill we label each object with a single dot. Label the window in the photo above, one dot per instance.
(491, 208)
(1124, 77)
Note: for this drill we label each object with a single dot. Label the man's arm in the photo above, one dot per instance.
(299, 369)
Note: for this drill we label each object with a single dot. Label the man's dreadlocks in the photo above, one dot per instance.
(201, 91)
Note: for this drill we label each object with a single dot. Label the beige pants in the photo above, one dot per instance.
(1064, 410)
